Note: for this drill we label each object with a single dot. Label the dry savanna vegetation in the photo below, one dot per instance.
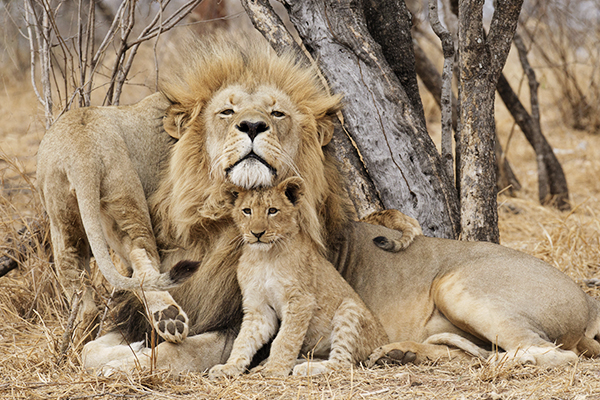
(33, 313)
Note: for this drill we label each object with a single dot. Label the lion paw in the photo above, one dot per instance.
(171, 324)
(273, 372)
(224, 370)
(382, 356)
(311, 368)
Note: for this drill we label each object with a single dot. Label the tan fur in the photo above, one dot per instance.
(223, 86)
(283, 276)
(94, 167)
(434, 294)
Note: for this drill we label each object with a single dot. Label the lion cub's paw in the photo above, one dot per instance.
(383, 355)
(312, 368)
(271, 372)
(224, 370)
(171, 324)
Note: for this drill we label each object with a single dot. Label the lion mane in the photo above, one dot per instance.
(190, 201)
(189, 210)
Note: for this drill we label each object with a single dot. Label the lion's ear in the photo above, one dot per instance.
(326, 123)
(292, 188)
(175, 120)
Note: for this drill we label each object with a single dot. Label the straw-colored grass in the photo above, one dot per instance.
(34, 315)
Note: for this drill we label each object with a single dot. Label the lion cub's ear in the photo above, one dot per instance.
(292, 188)
(230, 192)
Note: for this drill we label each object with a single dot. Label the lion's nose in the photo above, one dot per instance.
(252, 129)
(258, 234)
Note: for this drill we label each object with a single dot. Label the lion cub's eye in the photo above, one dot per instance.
(277, 114)
(227, 112)
(247, 211)
(272, 211)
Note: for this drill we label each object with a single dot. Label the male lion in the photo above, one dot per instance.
(284, 277)
(245, 116)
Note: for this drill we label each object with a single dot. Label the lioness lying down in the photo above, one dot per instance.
(283, 276)
(436, 293)
(243, 115)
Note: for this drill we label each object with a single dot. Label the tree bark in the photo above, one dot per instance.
(360, 186)
(398, 152)
(481, 63)
(432, 81)
(389, 23)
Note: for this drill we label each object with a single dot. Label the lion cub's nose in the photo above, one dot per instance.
(252, 129)
(258, 234)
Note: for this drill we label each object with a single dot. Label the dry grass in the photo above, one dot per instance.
(33, 314)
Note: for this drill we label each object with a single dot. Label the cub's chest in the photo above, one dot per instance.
(267, 281)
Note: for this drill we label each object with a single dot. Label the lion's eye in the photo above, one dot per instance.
(227, 111)
(277, 114)
(272, 211)
(247, 211)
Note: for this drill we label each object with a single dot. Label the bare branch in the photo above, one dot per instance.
(170, 22)
(446, 97)
(30, 21)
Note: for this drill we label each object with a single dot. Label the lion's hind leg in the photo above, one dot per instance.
(512, 319)
(546, 356)
(127, 222)
(72, 260)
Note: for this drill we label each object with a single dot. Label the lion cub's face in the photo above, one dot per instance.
(247, 132)
(268, 216)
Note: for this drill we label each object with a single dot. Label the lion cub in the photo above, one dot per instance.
(284, 277)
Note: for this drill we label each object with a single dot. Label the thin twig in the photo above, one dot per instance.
(446, 97)
(66, 338)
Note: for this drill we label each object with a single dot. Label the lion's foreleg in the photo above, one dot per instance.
(297, 315)
(258, 326)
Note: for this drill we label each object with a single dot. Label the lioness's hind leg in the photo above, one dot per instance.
(71, 258)
(169, 320)
(133, 239)
(545, 356)
(398, 221)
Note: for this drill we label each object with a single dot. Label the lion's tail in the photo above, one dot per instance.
(145, 275)
(387, 244)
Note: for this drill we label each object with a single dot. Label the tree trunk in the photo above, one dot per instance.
(378, 114)
(389, 23)
(360, 186)
(432, 81)
(479, 72)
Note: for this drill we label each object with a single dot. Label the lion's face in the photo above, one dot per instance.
(252, 136)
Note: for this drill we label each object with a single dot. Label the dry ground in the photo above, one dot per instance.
(34, 316)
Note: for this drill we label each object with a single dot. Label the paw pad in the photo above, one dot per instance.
(171, 324)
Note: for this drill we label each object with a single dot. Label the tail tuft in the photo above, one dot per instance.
(183, 270)
(387, 244)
